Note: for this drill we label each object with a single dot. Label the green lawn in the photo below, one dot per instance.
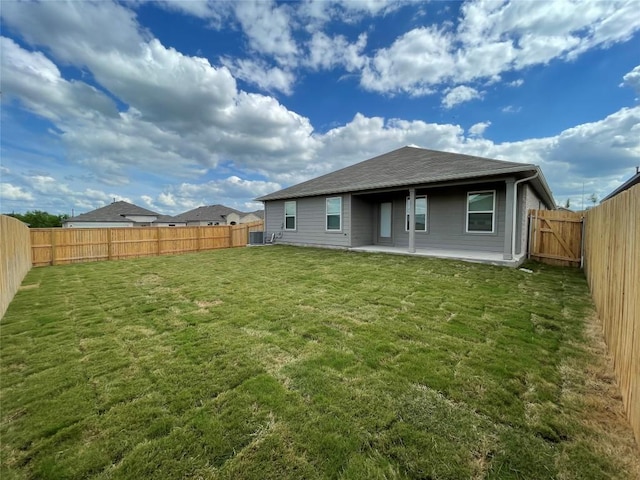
(282, 362)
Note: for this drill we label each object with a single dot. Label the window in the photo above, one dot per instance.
(420, 214)
(481, 212)
(334, 213)
(289, 215)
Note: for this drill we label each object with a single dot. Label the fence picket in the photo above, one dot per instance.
(612, 268)
(59, 246)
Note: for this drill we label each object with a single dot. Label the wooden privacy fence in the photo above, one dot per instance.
(15, 258)
(59, 246)
(555, 237)
(612, 267)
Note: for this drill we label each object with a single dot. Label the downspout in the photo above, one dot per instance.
(515, 210)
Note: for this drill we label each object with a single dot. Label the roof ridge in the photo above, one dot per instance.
(404, 165)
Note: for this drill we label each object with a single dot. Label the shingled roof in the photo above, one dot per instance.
(407, 166)
(625, 186)
(209, 213)
(114, 212)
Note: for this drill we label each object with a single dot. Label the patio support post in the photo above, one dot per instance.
(412, 220)
(508, 220)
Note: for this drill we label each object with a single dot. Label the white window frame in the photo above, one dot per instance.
(294, 216)
(326, 215)
(426, 214)
(492, 212)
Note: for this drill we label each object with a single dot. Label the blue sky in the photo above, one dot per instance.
(173, 105)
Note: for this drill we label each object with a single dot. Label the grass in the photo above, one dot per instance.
(285, 362)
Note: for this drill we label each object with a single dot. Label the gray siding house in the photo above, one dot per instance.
(415, 201)
(120, 214)
(217, 215)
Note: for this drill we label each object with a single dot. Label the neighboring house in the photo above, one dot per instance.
(625, 186)
(414, 200)
(216, 215)
(117, 214)
(167, 221)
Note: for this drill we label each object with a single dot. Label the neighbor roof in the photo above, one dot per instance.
(165, 219)
(113, 212)
(210, 213)
(408, 166)
(625, 186)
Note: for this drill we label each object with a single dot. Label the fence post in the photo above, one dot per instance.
(199, 238)
(53, 246)
(159, 239)
(109, 246)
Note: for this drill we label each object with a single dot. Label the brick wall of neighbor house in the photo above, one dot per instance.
(362, 221)
(250, 218)
(310, 222)
(446, 220)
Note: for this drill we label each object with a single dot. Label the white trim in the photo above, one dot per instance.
(426, 214)
(294, 216)
(492, 212)
(326, 215)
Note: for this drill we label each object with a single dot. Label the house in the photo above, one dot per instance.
(625, 186)
(217, 215)
(119, 214)
(415, 201)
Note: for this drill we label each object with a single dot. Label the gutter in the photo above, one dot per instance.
(515, 210)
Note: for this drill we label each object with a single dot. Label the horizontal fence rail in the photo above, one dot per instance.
(60, 246)
(15, 258)
(612, 267)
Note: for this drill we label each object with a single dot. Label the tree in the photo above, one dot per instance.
(593, 198)
(40, 219)
(567, 204)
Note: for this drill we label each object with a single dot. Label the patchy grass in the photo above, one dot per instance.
(286, 362)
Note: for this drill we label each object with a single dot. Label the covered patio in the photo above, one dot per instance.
(491, 258)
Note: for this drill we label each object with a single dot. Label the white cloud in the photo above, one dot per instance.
(496, 37)
(231, 191)
(213, 10)
(458, 95)
(51, 193)
(268, 28)
(478, 129)
(516, 83)
(12, 192)
(328, 52)
(148, 201)
(166, 127)
(414, 63)
(511, 109)
(167, 199)
(314, 14)
(259, 73)
(37, 82)
(77, 30)
(632, 79)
